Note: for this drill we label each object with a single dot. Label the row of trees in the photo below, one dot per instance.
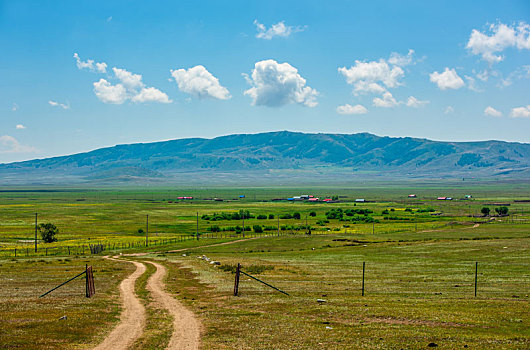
(499, 210)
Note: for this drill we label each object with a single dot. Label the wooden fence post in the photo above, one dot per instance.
(476, 274)
(86, 281)
(236, 282)
(362, 293)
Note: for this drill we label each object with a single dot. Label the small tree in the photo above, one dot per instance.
(258, 228)
(502, 210)
(296, 216)
(313, 213)
(485, 211)
(48, 232)
(271, 216)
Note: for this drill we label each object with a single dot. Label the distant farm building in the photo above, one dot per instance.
(412, 196)
(360, 200)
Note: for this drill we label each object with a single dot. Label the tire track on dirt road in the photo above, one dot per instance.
(132, 318)
(186, 327)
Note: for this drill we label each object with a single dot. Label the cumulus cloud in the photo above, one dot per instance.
(387, 101)
(14, 108)
(277, 84)
(400, 60)
(521, 112)
(151, 94)
(130, 80)
(20, 127)
(349, 109)
(276, 30)
(99, 67)
(371, 76)
(9, 144)
(57, 104)
(200, 83)
(501, 37)
(492, 112)
(448, 79)
(415, 103)
(449, 110)
(130, 87)
(108, 93)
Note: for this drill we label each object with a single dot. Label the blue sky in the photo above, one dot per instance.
(148, 71)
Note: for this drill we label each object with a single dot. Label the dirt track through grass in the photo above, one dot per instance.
(186, 327)
(132, 319)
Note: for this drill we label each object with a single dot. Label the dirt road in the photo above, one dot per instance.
(186, 328)
(132, 319)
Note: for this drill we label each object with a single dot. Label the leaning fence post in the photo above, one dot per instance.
(15, 252)
(362, 289)
(476, 274)
(86, 281)
(236, 282)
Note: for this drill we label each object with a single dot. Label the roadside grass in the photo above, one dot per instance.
(32, 323)
(417, 292)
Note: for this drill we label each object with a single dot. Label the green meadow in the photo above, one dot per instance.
(420, 256)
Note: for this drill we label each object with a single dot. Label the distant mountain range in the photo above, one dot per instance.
(278, 155)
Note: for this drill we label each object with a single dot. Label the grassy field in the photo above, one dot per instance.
(419, 277)
(30, 322)
(416, 291)
(86, 216)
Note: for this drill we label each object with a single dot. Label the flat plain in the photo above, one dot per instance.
(420, 256)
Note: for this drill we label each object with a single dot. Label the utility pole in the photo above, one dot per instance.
(197, 228)
(278, 225)
(147, 231)
(243, 224)
(36, 214)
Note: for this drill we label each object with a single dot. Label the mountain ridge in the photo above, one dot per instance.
(286, 150)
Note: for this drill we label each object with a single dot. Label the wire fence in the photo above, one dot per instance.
(408, 279)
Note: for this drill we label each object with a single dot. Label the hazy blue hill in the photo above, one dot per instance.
(265, 152)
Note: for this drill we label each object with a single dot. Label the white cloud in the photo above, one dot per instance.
(387, 101)
(492, 112)
(502, 37)
(449, 79)
(14, 108)
(99, 67)
(151, 94)
(521, 112)
(349, 109)
(400, 60)
(198, 82)
(276, 84)
(368, 76)
(472, 83)
(449, 110)
(108, 93)
(130, 87)
(130, 80)
(414, 102)
(57, 104)
(20, 127)
(276, 30)
(8, 144)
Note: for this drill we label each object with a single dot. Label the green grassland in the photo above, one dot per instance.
(86, 216)
(419, 277)
(416, 291)
(30, 322)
